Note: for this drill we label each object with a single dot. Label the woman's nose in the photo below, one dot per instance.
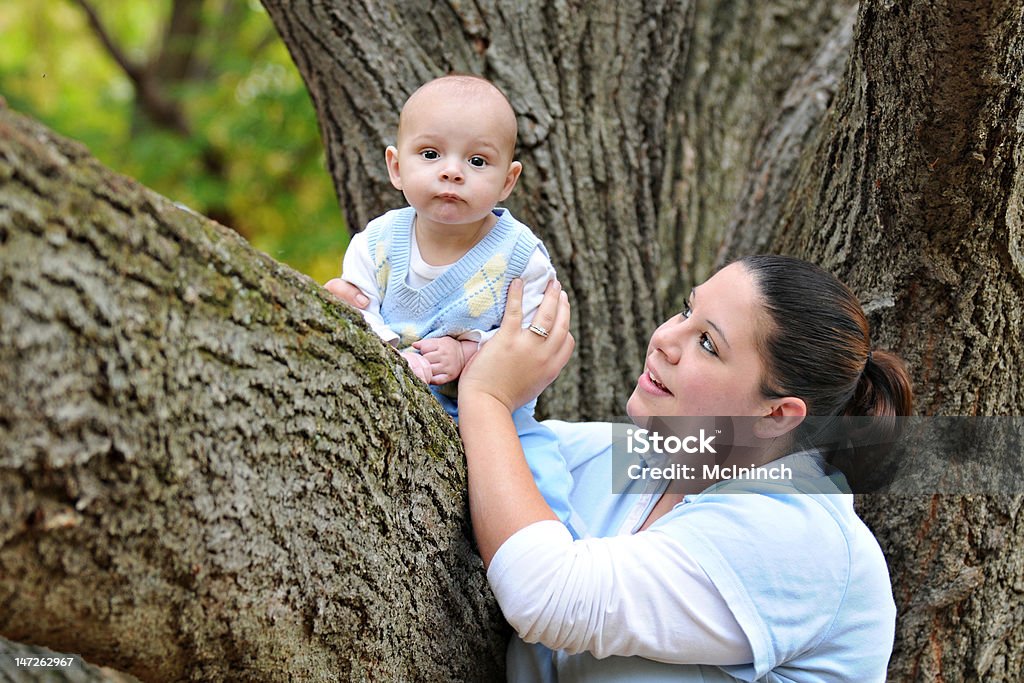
(668, 339)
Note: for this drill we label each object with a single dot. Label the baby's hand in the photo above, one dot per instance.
(445, 356)
(420, 366)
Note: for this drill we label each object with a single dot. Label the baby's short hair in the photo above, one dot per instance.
(467, 84)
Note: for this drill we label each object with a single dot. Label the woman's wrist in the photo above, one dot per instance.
(474, 400)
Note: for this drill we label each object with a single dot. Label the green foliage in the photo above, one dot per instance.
(242, 99)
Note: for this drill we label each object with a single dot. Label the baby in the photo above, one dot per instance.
(436, 272)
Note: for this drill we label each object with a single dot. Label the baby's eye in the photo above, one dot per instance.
(478, 162)
(707, 344)
(430, 154)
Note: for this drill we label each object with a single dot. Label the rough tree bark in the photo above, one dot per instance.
(636, 124)
(210, 469)
(913, 193)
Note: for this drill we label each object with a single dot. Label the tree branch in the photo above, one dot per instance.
(133, 70)
(159, 108)
(171, 65)
(210, 469)
(181, 37)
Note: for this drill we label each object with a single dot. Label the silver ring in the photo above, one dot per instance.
(538, 330)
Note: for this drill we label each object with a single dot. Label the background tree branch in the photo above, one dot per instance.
(155, 83)
(130, 68)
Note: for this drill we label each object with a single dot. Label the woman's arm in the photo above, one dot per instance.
(629, 595)
(643, 594)
(508, 371)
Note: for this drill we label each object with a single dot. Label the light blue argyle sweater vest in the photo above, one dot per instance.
(469, 295)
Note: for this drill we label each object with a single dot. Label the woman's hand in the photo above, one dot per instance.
(518, 363)
(347, 292)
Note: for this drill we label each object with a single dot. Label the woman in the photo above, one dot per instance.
(706, 585)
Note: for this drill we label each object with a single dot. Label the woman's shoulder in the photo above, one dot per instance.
(773, 521)
(801, 500)
(802, 573)
(807, 540)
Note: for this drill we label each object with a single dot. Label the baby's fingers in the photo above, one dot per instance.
(435, 357)
(425, 346)
(347, 292)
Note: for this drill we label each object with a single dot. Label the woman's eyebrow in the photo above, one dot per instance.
(720, 333)
(693, 297)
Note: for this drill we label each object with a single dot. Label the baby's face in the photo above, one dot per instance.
(454, 156)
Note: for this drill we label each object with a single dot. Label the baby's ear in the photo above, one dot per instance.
(391, 159)
(511, 178)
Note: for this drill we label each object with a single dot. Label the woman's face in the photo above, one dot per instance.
(704, 361)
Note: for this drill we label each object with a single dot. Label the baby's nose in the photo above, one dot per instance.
(451, 173)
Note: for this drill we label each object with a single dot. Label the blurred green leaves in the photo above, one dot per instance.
(246, 151)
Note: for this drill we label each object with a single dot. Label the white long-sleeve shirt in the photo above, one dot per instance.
(625, 595)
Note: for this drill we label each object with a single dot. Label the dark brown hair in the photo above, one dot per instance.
(815, 345)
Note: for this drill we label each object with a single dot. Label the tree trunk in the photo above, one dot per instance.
(914, 195)
(636, 124)
(751, 67)
(209, 468)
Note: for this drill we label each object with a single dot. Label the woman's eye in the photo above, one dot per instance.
(709, 346)
(686, 312)
(430, 154)
(478, 162)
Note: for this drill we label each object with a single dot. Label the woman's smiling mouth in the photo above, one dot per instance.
(653, 384)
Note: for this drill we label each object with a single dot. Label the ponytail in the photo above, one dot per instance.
(883, 389)
(883, 392)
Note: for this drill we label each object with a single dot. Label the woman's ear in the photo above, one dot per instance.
(391, 158)
(785, 415)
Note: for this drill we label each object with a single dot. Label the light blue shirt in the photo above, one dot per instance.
(800, 572)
